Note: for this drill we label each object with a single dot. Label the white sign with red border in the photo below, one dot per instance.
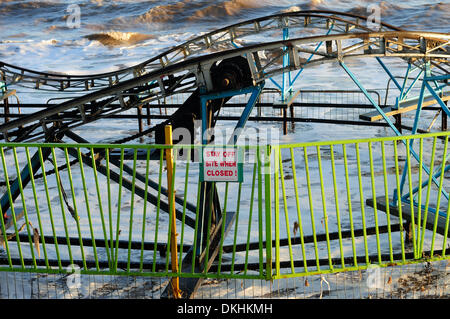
(221, 165)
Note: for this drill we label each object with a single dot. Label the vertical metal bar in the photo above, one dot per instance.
(438, 202)
(349, 202)
(276, 182)
(119, 203)
(311, 209)
(157, 210)
(25, 213)
(386, 193)
(419, 198)
(399, 201)
(233, 258)
(300, 224)
(144, 213)
(250, 214)
(361, 196)
(5, 237)
(286, 215)
(196, 228)
(222, 232)
(285, 65)
(203, 101)
(61, 201)
(444, 118)
(88, 210)
(374, 196)
(75, 213)
(108, 183)
(186, 180)
(324, 205)
(50, 212)
(268, 211)
(336, 199)
(427, 200)
(38, 213)
(444, 243)
(13, 214)
(208, 234)
(130, 227)
(172, 233)
(413, 230)
(260, 212)
(100, 206)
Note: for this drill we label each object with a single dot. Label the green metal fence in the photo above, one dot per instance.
(301, 209)
(330, 210)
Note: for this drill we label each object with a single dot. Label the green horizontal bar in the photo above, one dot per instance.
(356, 268)
(246, 147)
(222, 275)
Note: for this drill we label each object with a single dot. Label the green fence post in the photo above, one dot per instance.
(268, 208)
(276, 190)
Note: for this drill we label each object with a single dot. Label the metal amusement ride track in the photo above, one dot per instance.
(214, 67)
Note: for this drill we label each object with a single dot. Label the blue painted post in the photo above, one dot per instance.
(246, 114)
(204, 98)
(352, 76)
(414, 130)
(405, 94)
(285, 65)
(389, 73)
(438, 98)
(291, 83)
(396, 131)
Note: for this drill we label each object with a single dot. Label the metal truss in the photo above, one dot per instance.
(217, 40)
(195, 72)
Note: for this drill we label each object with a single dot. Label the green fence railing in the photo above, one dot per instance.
(301, 209)
(341, 206)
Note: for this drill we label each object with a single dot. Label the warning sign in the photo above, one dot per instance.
(221, 165)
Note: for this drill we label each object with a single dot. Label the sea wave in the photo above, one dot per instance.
(386, 9)
(189, 10)
(117, 38)
(162, 13)
(409, 16)
(126, 28)
(14, 6)
(226, 8)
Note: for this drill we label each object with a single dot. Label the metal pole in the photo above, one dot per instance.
(352, 76)
(175, 281)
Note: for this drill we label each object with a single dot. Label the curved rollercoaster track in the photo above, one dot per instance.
(190, 66)
(217, 40)
(212, 68)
